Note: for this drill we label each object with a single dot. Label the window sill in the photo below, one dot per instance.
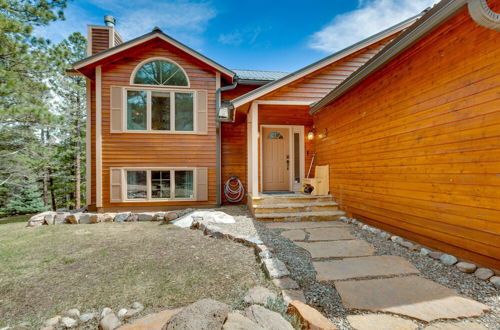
(158, 132)
(158, 200)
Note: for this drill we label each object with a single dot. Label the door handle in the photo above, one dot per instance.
(287, 162)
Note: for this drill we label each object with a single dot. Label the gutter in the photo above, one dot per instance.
(218, 120)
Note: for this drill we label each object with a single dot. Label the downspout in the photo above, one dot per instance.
(218, 120)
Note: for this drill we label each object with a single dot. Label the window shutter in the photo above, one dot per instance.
(116, 109)
(116, 190)
(201, 112)
(202, 184)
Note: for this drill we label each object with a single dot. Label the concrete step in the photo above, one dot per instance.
(295, 207)
(289, 199)
(300, 216)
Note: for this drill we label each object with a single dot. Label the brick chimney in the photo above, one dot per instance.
(102, 37)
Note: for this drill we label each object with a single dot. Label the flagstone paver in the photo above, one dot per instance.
(337, 249)
(465, 325)
(362, 267)
(412, 296)
(380, 322)
(304, 224)
(329, 234)
(294, 234)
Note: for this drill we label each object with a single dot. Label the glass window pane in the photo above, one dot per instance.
(184, 112)
(161, 73)
(136, 184)
(160, 111)
(136, 110)
(184, 184)
(160, 184)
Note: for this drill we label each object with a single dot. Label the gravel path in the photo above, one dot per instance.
(324, 297)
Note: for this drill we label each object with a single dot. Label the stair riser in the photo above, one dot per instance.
(308, 208)
(302, 218)
(289, 200)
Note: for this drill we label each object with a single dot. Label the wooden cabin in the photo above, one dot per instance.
(405, 120)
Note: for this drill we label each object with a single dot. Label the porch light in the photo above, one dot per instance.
(310, 135)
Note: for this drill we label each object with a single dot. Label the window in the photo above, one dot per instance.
(275, 135)
(160, 184)
(162, 73)
(170, 111)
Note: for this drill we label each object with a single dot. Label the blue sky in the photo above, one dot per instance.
(246, 34)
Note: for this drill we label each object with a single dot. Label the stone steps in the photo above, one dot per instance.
(300, 216)
(295, 207)
(289, 198)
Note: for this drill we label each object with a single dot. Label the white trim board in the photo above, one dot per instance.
(98, 137)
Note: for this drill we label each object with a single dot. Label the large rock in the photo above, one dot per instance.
(236, 321)
(159, 216)
(60, 218)
(109, 322)
(108, 217)
(448, 259)
(73, 313)
(96, 218)
(285, 283)
(435, 255)
(73, 218)
(40, 218)
(275, 268)
(291, 295)
(121, 217)
(309, 317)
(84, 318)
(259, 295)
(484, 273)
(68, 322)
(171, 216)
(203, 314)
(145, 216)
(152, 321)
(52, 322)
(267, 319)
(86, 218)
(466, 267)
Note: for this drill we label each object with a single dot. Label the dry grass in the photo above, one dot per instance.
(46, 270)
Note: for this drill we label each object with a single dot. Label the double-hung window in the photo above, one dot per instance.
(160, 184)
(160, 111)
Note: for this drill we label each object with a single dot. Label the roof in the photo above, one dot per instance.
(430, 20)
(259, 74)
(258, 92)
(156, 33)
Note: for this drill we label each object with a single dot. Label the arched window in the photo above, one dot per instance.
(160, 72)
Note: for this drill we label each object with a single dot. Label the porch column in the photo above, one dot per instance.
(253, 149)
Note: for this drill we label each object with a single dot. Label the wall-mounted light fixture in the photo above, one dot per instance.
(323, 134)
(310, 135)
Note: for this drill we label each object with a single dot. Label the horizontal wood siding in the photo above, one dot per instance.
(100, 39)
(156, 150)
(419, 153)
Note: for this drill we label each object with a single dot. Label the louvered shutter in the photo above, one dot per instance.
(116, 187)
(202, 184)
(116, 109)
(201, 112)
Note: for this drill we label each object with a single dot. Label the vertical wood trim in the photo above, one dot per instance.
(201, 188)
(116, 184)
(89, 40)
(98, 136)
(88, 144)
(217, 80)
(201, 104)
(254, 153)
(111, 37)
(116, 102)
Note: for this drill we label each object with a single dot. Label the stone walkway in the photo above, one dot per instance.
(384, 287)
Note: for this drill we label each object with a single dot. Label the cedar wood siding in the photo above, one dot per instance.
(415, 148)
(149, 149)
(309, 88)
(100, 39)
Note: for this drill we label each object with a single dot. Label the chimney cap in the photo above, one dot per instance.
(157, 29)
(109, 20)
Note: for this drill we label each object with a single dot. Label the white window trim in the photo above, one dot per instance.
(152, 59)
(149, 91)
(148, 184)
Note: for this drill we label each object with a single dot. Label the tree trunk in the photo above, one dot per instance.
(52, 191)
(45, 178)
(78, 155)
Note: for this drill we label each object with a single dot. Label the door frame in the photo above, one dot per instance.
(292, 129)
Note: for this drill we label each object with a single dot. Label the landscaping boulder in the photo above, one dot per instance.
(290, 295)
(145, 216)
(170, 216)
(159, 216)
(266, 318)
(236, 321)
(285, 283)
(132, 217)
(96, 218)
(39, 219)
(52, 322)
(203, 314)
(309, 317)
(121, 313)
(109, 322)
(106, 311)
(85, 218)
(275, 268)
(60, 217)
(483, 273)
(259, 295)
(84, 318)
(121, 217)
(68, 322)
(108, 217)
(466, 267)
(73, 313)
(73, 218)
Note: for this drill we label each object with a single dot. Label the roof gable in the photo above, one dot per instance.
(121, 49)
(294, 76)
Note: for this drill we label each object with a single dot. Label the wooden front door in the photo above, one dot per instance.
(276, 158)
